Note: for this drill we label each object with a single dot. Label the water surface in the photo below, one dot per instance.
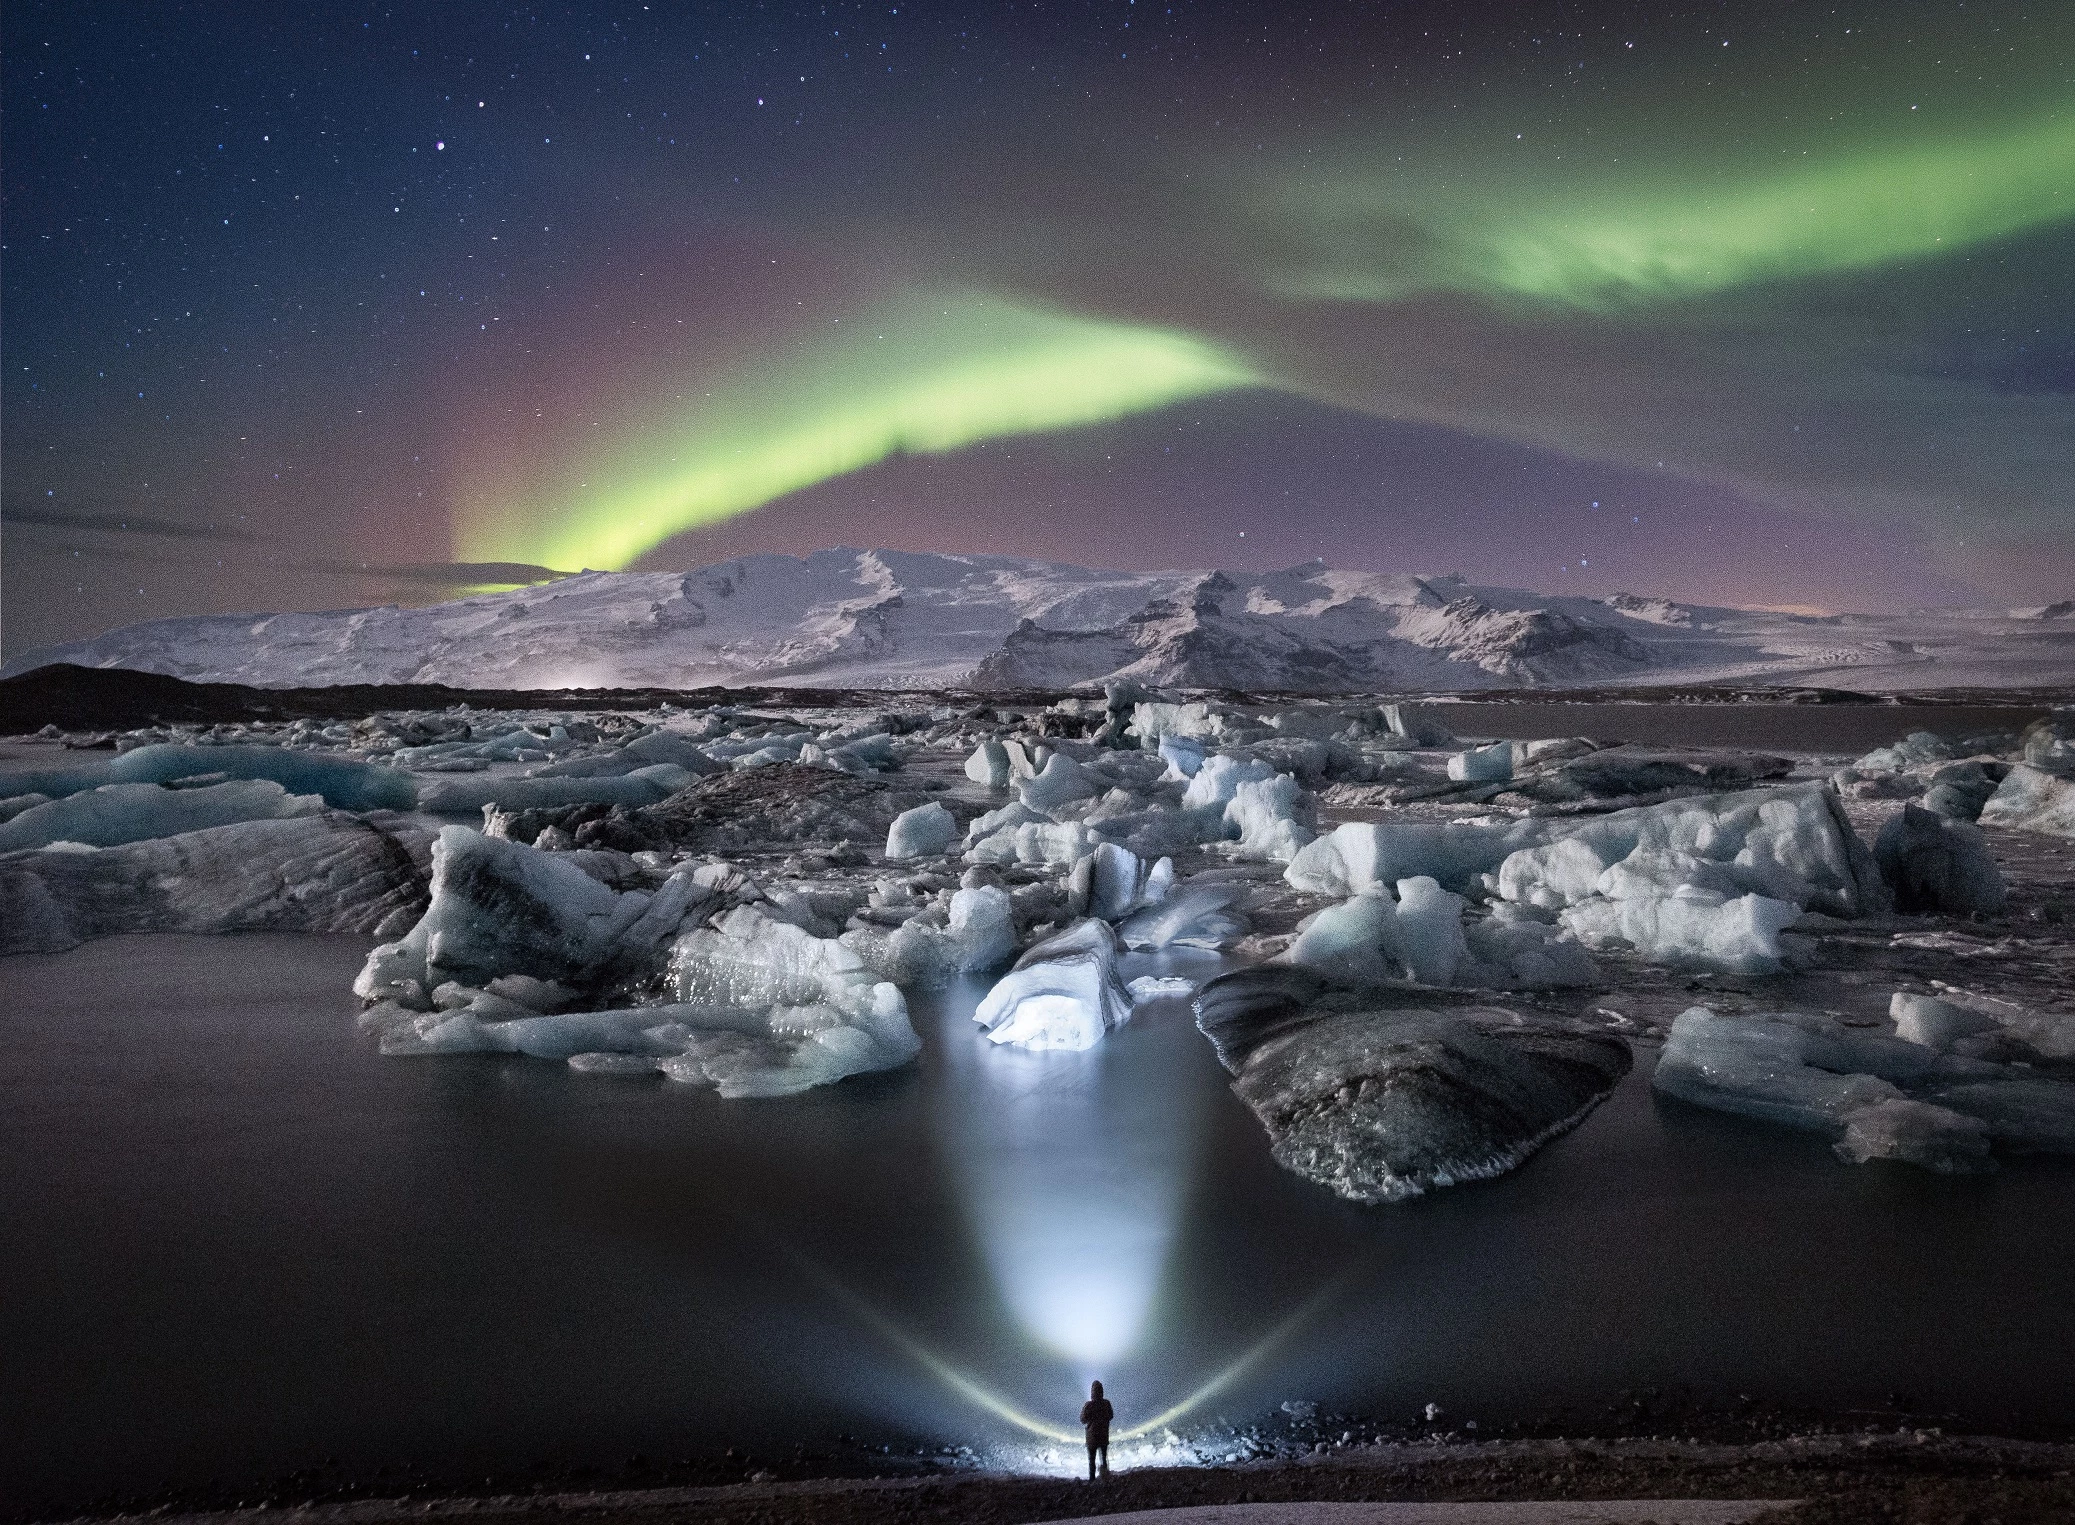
(238, 1241)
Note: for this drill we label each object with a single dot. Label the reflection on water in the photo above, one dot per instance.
(1073, 1168)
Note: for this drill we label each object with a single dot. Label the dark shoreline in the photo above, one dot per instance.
(1835, 1477)
(75, 698)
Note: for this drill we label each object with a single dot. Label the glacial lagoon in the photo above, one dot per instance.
(242, 1243)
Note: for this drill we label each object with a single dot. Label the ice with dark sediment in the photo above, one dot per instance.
(1931, 863)
(328, 872)
(1378, 1103)
(1064, 993)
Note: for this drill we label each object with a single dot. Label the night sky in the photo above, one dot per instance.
(315, 306)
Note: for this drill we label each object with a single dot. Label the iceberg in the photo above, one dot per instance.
(923, 832)
(468, 796)
(117, 813)
(1063, 993)
(1695, 929)
(502, 908)
(1811, 1072)
(1934, 864)
(978, 933)
(329, 872)
(344, 783)
(1195, 915)
(1271, 816)
(2032, 799)
(1380, 1105)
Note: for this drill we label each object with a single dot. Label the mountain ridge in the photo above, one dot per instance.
(918, 620)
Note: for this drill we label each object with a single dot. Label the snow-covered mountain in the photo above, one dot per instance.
(911, 620)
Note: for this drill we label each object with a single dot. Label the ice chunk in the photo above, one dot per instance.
(1419, 727)
(1916, 1133)
(1363, 855)
(1483, 765)
(1510, 950)
(1691, 929)
(1797, 1071)
(1913, 750)
(1932, 864)
(1183, 755)
(117, 813)
(1193, 916)
(1218, 780)
(1430, 931)
(978, 934)
(922, 832)
(501, 907)
(468, 796)
(2034, 800)
(824, 1015)
(1111, 882)
(1554, 875)
(1354, 942)
(1063, 780)
(1805, 1071)
(1160, 987)
(1791, 843)
(313, 873)
(1382, 1105)
(1272, 816)
(989, 765)
(344, 783)
(1934, 1023)
(1062, 993)
(1959, 790)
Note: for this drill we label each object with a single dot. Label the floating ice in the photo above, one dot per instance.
(1932, 864)
(1218, 780)
(502, 907)
(978, 933)
(344, 783)
(1063, 780)
(1062, 993)
(1183, 755)
(1381, 1105)
(1111, 882)
(1271, 815)
(1483, 765)
(823, 1014)
(922, 832)
(1811, 1072)
(312, 873)
(2034, 800)
(1916, 1133)
(117, 813)
(1689, 928)
(1195, 915)
(1934, 1023)
(466, 796)
(989, 765)
(1365, 855)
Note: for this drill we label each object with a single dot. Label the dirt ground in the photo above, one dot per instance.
(1899, 1478)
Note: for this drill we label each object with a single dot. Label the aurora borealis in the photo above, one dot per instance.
(1754, 303)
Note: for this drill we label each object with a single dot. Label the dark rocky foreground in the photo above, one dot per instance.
(1905, 1477)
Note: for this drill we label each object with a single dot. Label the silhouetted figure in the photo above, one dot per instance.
(1096, 1415)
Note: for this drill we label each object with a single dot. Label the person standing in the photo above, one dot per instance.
(1096, 1415)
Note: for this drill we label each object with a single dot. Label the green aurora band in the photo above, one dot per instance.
(930, 374)
(1599, 248)
(923, 378)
